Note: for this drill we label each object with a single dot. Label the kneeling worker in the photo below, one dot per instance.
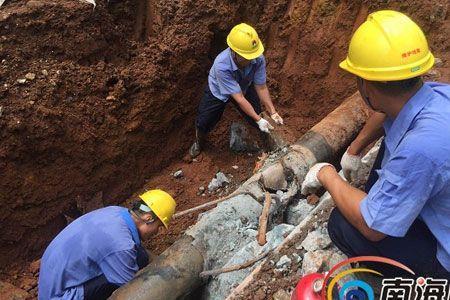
(101, 250)
(405, 213)
(238, 74)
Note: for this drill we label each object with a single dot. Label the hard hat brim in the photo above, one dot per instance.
(390, 74)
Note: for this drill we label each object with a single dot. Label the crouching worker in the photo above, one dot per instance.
(100, 251)
(238, 74)
(405, 212)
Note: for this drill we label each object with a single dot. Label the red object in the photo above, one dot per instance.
(309, 287)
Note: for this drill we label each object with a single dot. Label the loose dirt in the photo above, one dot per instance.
(112, 106)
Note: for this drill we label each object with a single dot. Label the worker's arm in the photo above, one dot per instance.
(372, 130)
(264, 96)
(120, 267)
(246, 107)
(347, 200)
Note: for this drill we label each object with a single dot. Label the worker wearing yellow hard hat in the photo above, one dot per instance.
(404, 212)
(102, 250)
(237, 74)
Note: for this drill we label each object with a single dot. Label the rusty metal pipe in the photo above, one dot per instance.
(173, 274)
(176, 271)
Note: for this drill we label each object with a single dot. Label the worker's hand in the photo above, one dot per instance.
(350, 164)
(311, 183)
(264, 126)
(276, 117)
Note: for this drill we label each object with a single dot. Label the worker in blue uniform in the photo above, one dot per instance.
(237, 75)
(404, 214)
(102, 250)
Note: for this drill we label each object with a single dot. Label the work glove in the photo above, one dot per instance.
(91, 2)
(311, 184)
(277, 119)
(350, 165)
(264, 126)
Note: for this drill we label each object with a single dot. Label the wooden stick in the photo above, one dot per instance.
(262, 228)
(234, 267)
(190, 210)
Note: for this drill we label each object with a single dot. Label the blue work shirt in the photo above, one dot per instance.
(100, 242)
(414, 181)
(225, 78)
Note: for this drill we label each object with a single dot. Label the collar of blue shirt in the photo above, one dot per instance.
(233, 64)
(404, 119)
(131, 225)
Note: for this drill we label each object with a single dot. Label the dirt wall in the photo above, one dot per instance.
(115, 92)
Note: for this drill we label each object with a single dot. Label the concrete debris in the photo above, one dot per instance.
(21, 81)
(44, 72)
(178, 174)
(283, 264)
(316, 240)
(297, 258)
(220, 180)
(316, 261)
(241, 140)
(222, 285)
(30, 76)
(222, 231)
(201, 189)
(438, 62)
(8, 291)
(296, 213)
(281, 295)
(235, 167)
(273, 178)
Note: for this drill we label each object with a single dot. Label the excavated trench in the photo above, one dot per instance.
(106, 90)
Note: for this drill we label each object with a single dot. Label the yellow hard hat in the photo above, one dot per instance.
(161, 204)
(388, 46)
(243, 39)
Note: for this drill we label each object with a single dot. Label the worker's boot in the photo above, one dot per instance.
(199, 143)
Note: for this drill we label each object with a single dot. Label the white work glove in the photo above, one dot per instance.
(264, 125)
(91, 2)
(311, 184)
(350, 165)
(277, 119)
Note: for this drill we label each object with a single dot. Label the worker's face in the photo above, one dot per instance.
(365, 91)
(240, 61)
(149, 226)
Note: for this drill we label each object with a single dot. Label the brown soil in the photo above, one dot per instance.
(113, 103)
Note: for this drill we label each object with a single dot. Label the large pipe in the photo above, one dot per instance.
(173, 274)
(176, 272)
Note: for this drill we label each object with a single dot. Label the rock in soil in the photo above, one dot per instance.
(220, 180)
(178, 174)
(283, 264)
(30, 76)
